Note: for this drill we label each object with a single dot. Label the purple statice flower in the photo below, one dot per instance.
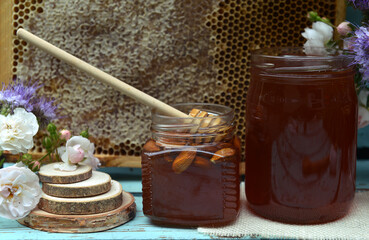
(360, 45)
(360, 4)
(19, 94)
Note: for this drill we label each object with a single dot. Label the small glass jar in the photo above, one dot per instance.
(301, 127)
(190, 168)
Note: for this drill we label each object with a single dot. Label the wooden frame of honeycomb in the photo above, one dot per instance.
(165, 48)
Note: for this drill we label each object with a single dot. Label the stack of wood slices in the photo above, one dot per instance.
(79, 201)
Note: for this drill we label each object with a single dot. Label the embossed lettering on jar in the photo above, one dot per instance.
(190, 168)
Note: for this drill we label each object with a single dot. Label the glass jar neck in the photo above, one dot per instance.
(288, 61)
(217, 126)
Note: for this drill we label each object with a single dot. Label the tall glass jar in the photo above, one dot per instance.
(301, 127)
(190, 168)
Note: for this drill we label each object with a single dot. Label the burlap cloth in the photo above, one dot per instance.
(355, 225)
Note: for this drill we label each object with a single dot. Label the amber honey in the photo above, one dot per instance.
(201, 190)
(301, 138)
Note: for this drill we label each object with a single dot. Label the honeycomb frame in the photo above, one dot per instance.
(189, 46)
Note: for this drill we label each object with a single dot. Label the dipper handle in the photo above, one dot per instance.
(115, 83)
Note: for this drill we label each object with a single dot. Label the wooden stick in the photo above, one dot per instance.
(100, 75)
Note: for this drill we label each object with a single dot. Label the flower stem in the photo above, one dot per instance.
(50, 152)
(2, 159)
(43, 157)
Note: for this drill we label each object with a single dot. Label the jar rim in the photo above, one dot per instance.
(290, 53)
(292, 60)
(202, 106)
(164, 127)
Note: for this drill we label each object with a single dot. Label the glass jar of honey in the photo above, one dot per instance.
(301, 128)
(190, 167)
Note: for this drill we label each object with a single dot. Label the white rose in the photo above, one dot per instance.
(324, 29)
(92, 161)
(363, 113)
(317, 37)
(17, 131)
(312, 34)
(363, 97)
(20, 192)
(70, 154)
(314, 47)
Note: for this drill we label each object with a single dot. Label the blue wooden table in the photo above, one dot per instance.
(140, 227)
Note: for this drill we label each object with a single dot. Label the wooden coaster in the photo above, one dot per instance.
(88, 205)
(99, 183)
(49, 222)
(49, 174)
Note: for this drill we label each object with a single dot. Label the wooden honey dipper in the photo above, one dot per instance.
(100, 75)
(118, 84)
(197, 123)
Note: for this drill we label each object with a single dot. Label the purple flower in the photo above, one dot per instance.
(360, 4)
(45, 110)
(18, 95)
(360, 45)
(23, 95)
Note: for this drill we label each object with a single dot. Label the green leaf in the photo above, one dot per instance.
(85, 134)
(353, 28)
(27, 156)
(331, 44)
(51, 128)
(313, 16)
(47, 143)
(5, 110)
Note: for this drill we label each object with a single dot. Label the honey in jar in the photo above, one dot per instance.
(190, 168)
(301, 127)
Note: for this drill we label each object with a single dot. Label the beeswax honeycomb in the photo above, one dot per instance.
(174, 50)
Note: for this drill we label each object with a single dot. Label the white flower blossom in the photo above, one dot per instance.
(363, 112)
(363, 117)
(71, 154)
(317, 36)
(363, 97)
(20, 192)
(17, 131)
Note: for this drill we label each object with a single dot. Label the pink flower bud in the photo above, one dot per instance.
(344, 28)
(36, 165)
(75, 154)
(65, 134)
